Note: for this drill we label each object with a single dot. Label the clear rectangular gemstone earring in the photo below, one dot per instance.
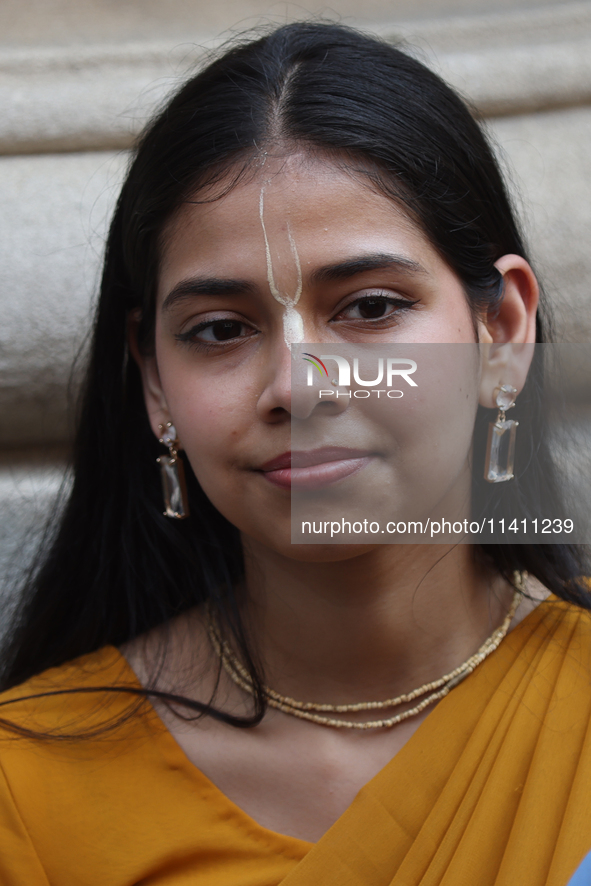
(500, 448)
(174, 487)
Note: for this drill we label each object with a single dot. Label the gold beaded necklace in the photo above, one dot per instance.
(313, 711)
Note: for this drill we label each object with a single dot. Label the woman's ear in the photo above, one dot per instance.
(154, 398)
(508, 334)
(514, 320)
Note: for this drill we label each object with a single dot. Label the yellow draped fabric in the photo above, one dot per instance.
(493, 788)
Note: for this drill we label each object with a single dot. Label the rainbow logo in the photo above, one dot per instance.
(317, 362)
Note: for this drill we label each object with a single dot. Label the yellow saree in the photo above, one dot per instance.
(493, 788)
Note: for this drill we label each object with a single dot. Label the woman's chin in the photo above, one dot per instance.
(306, 553)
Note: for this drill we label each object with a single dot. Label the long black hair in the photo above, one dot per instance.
(116, 566)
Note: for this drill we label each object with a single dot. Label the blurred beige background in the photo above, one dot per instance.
(64, 22)
(78, 78)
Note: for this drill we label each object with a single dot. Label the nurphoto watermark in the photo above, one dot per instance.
(441, 443)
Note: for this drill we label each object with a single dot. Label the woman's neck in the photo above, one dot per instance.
(370, 626)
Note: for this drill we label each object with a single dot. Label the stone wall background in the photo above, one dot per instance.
(78, 78)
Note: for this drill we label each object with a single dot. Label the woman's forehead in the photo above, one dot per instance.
(324, 206)
(296, 182)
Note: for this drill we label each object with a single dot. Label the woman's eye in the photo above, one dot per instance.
(214, 331)
(221, 330)
(374, 307)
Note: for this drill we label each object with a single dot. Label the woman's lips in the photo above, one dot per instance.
(314, 468)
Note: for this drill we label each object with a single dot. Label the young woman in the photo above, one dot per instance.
(195, 700)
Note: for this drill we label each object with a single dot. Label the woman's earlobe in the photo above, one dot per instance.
(503, 366)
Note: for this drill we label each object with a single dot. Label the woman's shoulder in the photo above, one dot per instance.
(87, 666)
(553, 621)
(71, 731)
(70, 700)
(563, 615)
(84, 761)
(544, 621)
(547, 660)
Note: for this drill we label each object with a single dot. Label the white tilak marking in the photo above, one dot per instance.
(293, 325)
(296, 258)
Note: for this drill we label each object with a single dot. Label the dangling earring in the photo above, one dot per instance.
(172, 473)
(500, 449)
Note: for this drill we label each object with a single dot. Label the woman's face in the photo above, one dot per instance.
(303, 251)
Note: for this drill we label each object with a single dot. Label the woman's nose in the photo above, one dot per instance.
(291, 389)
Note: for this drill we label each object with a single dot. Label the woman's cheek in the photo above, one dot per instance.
(210, 419)
(203, 418)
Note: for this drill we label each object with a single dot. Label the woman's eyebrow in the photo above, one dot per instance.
(329, 273)
(370, 262)
(206, 286)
